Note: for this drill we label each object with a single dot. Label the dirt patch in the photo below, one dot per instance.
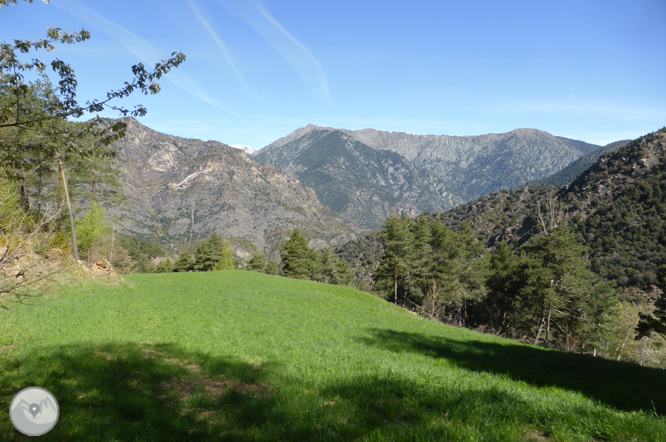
(149, 353)
(104, 354)
(538, 436)
(212, 387)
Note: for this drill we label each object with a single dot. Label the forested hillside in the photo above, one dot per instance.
(573, 266)
(618, 206)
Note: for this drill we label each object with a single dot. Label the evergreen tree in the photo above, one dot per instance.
(422, 255)
(396, 263)
(165, 266)
(502, 287)
(258, 263)
(456, 269)
(272, 268)
(297, 257)
(326, 268)
(560, 297)
(141, 253)
(185, 263)
(209, 253)
(343, 273)
(656, 322)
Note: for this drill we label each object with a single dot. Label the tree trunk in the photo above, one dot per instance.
(25, 201)
(75, 247)
(540, 329)
(395, 285)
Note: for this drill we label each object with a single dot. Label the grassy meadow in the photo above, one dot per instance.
(242, 356)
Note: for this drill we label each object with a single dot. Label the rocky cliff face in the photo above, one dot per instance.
(443, 170)
(180, 190)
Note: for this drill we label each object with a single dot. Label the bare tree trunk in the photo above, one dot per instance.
(540, 329)
(75, 247)
(25, 200)
(395, 285)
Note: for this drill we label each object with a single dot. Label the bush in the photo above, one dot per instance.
(92, 233)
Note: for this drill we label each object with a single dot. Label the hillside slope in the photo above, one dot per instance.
(243, 356)
(571, 172)
(180, 190)
(617, 205)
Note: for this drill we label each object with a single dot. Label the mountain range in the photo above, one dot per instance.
(363, 175)
(180, 191)
(617, 206)
(334, 184)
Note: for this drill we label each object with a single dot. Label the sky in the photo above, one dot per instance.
(256, 70)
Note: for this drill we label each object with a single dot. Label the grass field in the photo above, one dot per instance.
(242, 356)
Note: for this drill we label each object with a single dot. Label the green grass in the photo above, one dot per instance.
(242, 356)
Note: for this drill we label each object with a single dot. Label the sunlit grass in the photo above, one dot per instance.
(246, 356)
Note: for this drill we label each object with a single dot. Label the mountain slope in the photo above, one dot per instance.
(569, 173)
(180, 190)
(479, 165)
(451, 169)
(357, 182)
(617, 206)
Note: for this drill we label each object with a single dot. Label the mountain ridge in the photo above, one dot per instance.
(448, 170)
(181, 190)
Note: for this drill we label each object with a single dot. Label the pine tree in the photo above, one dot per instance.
(297, 257)
(258, 263)
(560, 296)
(502, 287)
(211, 252)
(165, 266)
(272, 268)
(422, 255)
(343, 273)
(456, 269)
(185, 263)
(395, 263)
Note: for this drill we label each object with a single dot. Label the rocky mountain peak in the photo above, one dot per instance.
(182, 190)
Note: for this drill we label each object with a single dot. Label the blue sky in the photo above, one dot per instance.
(258, 70)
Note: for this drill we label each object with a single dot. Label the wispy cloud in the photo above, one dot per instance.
(148, 53)
(221, 45)
(306, 65)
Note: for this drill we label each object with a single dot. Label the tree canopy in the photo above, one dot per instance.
(29, 126)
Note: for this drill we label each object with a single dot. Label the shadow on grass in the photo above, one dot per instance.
(146, 392)
(622, 385)
(139, 392)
